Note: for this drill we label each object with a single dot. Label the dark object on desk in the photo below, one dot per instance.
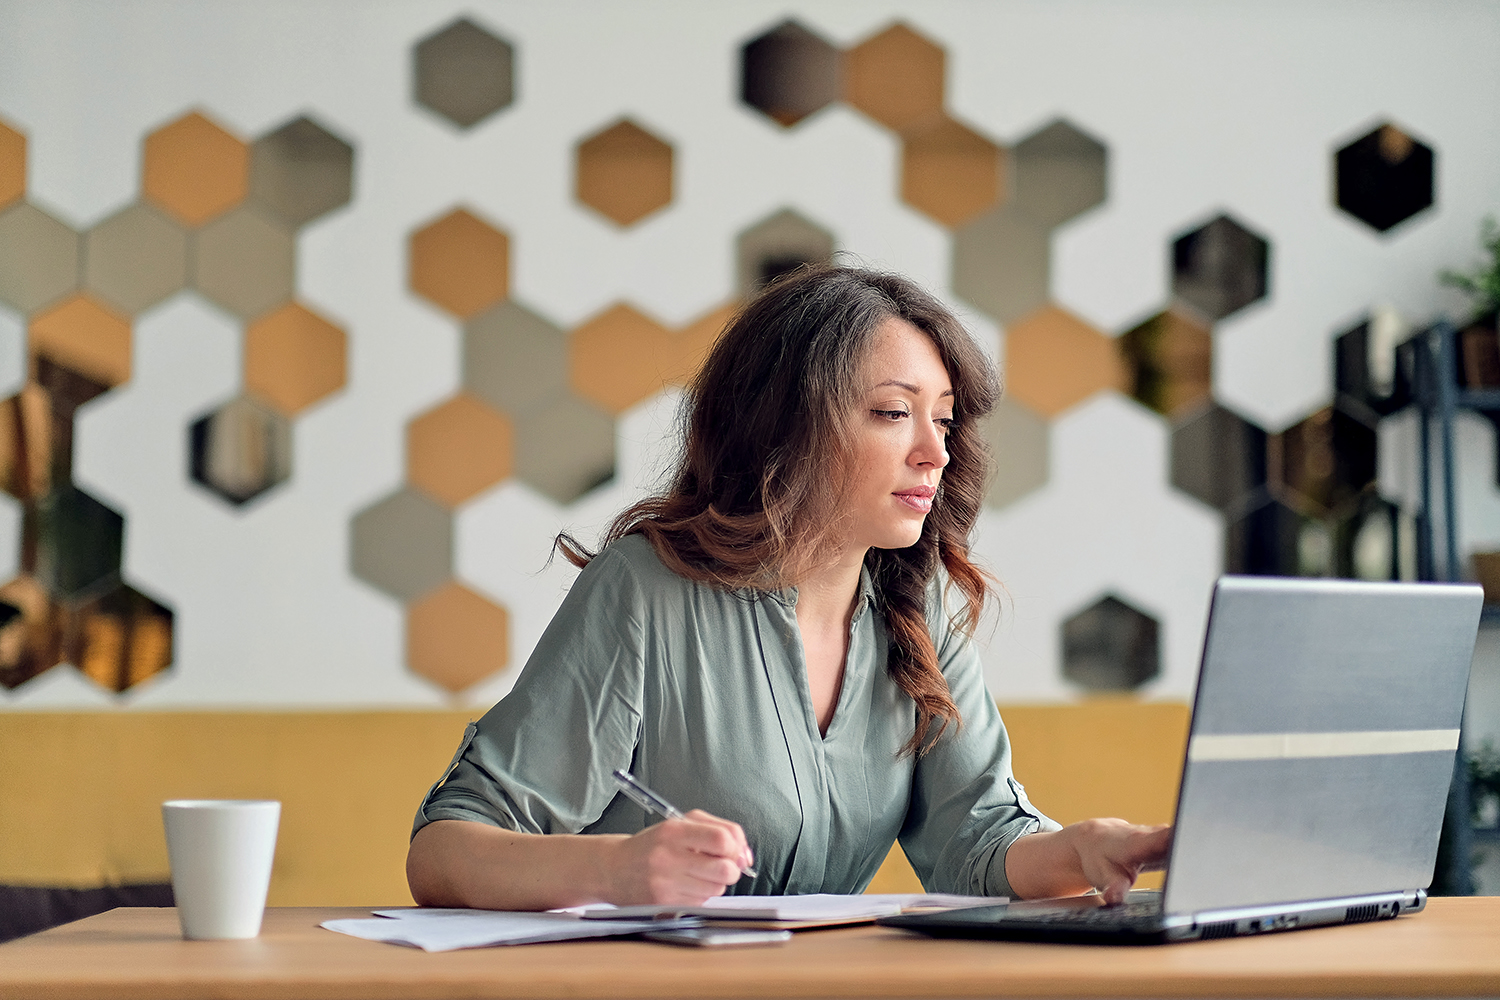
(1324, 734)
(28, 909)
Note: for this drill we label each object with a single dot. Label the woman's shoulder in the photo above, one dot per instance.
(634, 558)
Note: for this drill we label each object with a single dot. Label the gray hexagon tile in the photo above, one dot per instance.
(135, 258)
(514, 359)
(301, 171)
(403, 544)
(38, 258)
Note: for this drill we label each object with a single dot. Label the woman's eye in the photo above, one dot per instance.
(891, 414)
(946, 423)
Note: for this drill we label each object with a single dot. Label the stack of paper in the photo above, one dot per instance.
(446, 930)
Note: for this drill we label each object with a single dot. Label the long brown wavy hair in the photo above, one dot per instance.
(755, 501)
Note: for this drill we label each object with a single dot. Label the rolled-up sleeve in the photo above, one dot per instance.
(967, 807)
(540, 760)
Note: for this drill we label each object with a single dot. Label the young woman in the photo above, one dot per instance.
(782, 639)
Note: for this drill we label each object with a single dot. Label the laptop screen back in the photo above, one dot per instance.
(1323, 739)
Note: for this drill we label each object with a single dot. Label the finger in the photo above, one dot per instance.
(711, 835)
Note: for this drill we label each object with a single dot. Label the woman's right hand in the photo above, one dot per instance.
(678, 861)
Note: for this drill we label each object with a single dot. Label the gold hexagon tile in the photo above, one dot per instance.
(12, 165)
(135, 258)
(950, 172)
(896, 77)
(459, 449)
(293, 358)
(30, 642)
(84, 337)
(1054, 360)
(624, 173)
(460, 263)
(619, 358)
(456, 638)
(195, 169)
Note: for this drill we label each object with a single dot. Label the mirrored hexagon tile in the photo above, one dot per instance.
(896, 77)
(1267, 540)
(240, 450)
(30, 631)
(38, 258)
(135, 258)
(1326, 461)
(456, 638)
(460, 263)
(402, 544)
(1054, 360)
(513, 358)
(619, 358)
(1001, 263)
(293, 358)
(1169, 359)
(1220, 267)
(12, 165)
(1060, 172)
(624, 172)
(72, 543)
(950, 172)
(459, 449)
(1220, 458)
(565, 448)
(245, 262)
(1110, 646)
(1019, 440)
(463, 73)
(301, 171)
(194, 169)
(1368, 377)
(788, 73)
(119, 638)
(1384, 177)
(778, 245)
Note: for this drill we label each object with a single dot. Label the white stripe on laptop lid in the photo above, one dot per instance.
(1291, 746)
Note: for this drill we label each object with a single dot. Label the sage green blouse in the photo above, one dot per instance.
(702, 694)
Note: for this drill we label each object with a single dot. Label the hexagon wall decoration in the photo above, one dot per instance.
(1384, 177)
(624, 173)
(789, 73)
(464, 73)
(1110, 646)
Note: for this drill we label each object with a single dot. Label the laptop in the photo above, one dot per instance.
(1322, 745)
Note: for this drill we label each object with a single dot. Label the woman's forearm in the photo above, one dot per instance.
(1103, 854)
(463, 864)
(682, 861)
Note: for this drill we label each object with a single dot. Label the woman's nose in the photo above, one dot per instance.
(931, 448)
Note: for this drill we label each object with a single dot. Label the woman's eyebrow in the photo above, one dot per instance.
(910, 388)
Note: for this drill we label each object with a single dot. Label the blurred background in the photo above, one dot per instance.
(318, 320)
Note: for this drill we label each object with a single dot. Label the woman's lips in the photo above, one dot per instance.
(918, 499)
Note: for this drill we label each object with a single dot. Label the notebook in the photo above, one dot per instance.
(1322, 745)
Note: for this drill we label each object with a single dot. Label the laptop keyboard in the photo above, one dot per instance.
(1138, 911)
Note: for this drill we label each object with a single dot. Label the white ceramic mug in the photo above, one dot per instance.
(221, 852)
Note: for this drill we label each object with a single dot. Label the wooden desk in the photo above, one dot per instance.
(1451, 950)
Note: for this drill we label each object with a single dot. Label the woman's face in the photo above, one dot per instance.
(901, 436)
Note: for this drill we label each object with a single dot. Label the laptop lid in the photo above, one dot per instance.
(1323, 739)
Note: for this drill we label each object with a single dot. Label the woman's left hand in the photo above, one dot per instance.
(1103, 854)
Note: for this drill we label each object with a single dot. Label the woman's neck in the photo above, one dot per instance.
(826, 598)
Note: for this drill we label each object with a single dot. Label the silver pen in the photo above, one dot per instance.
(653, 803)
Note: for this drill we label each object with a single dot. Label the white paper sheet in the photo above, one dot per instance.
(811, 908)
(447, 930)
